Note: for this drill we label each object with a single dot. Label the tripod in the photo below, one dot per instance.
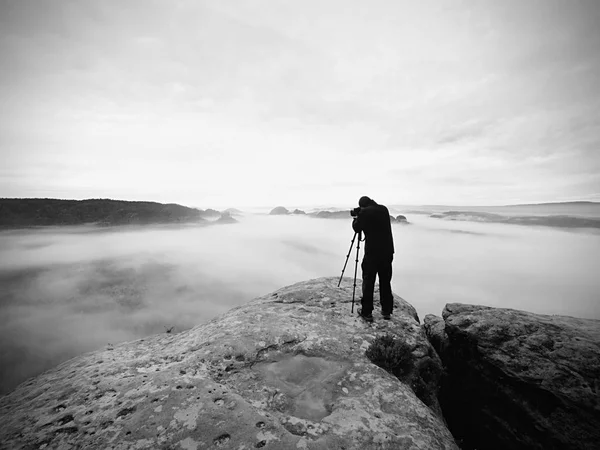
(355, 265)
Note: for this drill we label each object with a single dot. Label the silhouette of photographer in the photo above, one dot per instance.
(373, 220)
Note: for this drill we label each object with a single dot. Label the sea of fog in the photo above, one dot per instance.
(65, 291)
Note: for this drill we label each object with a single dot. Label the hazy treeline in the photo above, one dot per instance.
(557, 221)
(15, 213)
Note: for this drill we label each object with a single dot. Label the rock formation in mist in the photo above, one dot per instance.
(210, 213)
(298, 211)
(557, 221)
(226, 218)
(30, 212)
(345, 214)
(285, 371)
(332, 215)
(517, 379)
(399, 219)
(279, 211)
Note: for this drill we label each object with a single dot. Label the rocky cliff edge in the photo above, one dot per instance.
(518, 380)
(284, 371)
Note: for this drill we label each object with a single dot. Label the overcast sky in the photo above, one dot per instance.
(238, 103)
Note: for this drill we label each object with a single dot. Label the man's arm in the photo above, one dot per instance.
(364, 218)
(356, 225)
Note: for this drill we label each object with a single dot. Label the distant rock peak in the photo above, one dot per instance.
(279, 210)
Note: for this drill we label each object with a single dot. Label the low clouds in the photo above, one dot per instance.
(68, 290)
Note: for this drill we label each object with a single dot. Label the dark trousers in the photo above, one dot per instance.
(373, 266)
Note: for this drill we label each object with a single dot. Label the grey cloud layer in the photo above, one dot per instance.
(509, 80)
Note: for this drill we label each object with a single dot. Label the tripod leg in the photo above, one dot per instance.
(347, 256)
(355, 269)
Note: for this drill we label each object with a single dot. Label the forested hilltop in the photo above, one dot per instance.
(30, 212)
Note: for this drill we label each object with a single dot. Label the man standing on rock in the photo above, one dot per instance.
(374, 221)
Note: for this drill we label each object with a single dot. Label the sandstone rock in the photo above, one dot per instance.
(520, 380)
(435, 328)
(285, 371)
(279, 211)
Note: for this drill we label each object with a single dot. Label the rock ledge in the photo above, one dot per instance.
(284, 371)
(517, 379)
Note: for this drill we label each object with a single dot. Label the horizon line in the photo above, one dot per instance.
(591, 202)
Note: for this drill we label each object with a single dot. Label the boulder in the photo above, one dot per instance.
(519, 380)
(284, 371)
(401, 219)
(279, 211)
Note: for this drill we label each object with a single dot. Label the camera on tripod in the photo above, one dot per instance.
(354, 212)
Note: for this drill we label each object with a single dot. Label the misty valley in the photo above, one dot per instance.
(69, 290)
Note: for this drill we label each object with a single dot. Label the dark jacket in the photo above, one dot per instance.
(374, 222)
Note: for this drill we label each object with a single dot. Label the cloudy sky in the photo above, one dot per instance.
(239, 103)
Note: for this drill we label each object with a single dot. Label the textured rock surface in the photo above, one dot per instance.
(520, 380)
(284, 371)
(435, 329)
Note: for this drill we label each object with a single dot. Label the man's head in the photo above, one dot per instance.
(365, 201)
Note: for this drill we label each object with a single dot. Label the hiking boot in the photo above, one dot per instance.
(368, 318)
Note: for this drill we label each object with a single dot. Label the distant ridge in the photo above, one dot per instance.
(450, 205)
(32, 212)
(580, 202)
(558, 221)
